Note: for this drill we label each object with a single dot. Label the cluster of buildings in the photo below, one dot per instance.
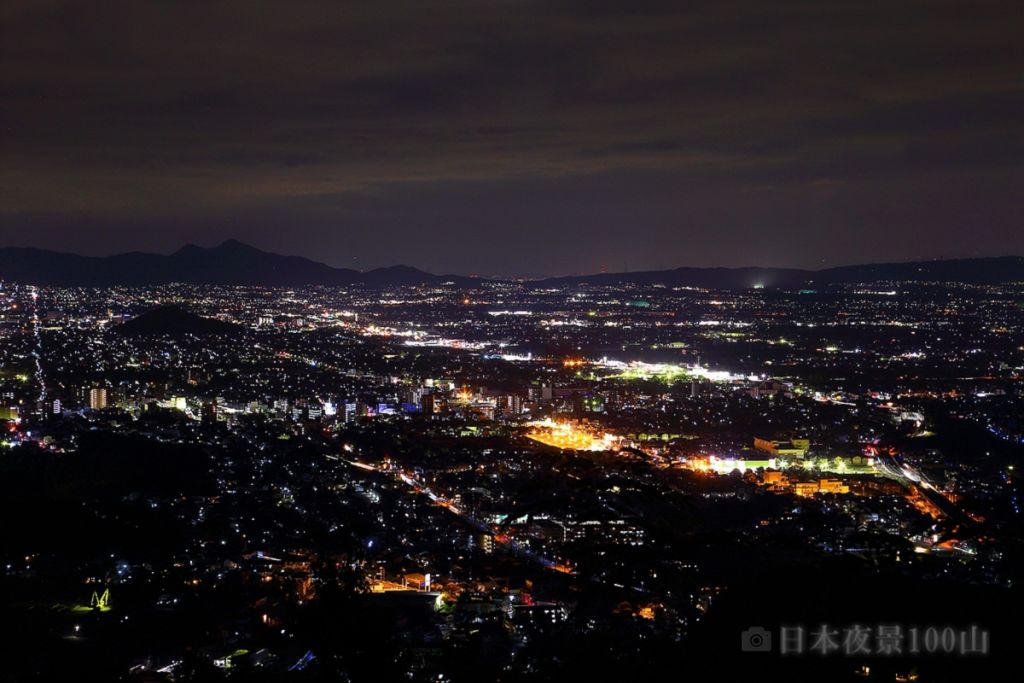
(501, 469)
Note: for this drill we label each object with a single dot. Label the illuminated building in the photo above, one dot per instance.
(540, 615)
(209, 414)
(618, 531)
(719, 465)
(97, 398)
(418, 581)
(510, 404)
(570, 436)
(832, 486)
(792, 448)
(805, 488)
(432, 404)
(486, 543)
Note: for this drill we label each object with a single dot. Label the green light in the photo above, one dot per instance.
(97, 603)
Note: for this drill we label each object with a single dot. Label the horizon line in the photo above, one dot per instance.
(231, 241)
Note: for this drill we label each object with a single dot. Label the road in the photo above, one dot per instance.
(441, 501)
(907, 474)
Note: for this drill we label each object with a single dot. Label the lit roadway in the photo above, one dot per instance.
(441, 501)
(502, 539)
(37, 352)
(907, 474)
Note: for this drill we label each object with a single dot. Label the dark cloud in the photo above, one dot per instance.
(582, 134)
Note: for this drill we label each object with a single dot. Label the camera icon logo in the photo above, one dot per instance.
(756, 639)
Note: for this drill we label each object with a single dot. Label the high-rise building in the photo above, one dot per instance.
(510, 404)
(486, 543)
(209, 413)
(97, 398)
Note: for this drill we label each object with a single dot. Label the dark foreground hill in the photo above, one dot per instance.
(173, 320)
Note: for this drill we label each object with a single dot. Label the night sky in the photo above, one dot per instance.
(512, 137)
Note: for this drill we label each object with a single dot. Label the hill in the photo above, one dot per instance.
(235, 263)
(992, 270)
(229, 263)
(173, 320)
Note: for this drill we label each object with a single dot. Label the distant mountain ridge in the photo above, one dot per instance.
(235, 263)
(986, 270)
(229, 263)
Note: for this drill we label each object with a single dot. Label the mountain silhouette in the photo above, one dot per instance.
(235, 263)
(229, 263)
(173, 320)
(990, 270)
